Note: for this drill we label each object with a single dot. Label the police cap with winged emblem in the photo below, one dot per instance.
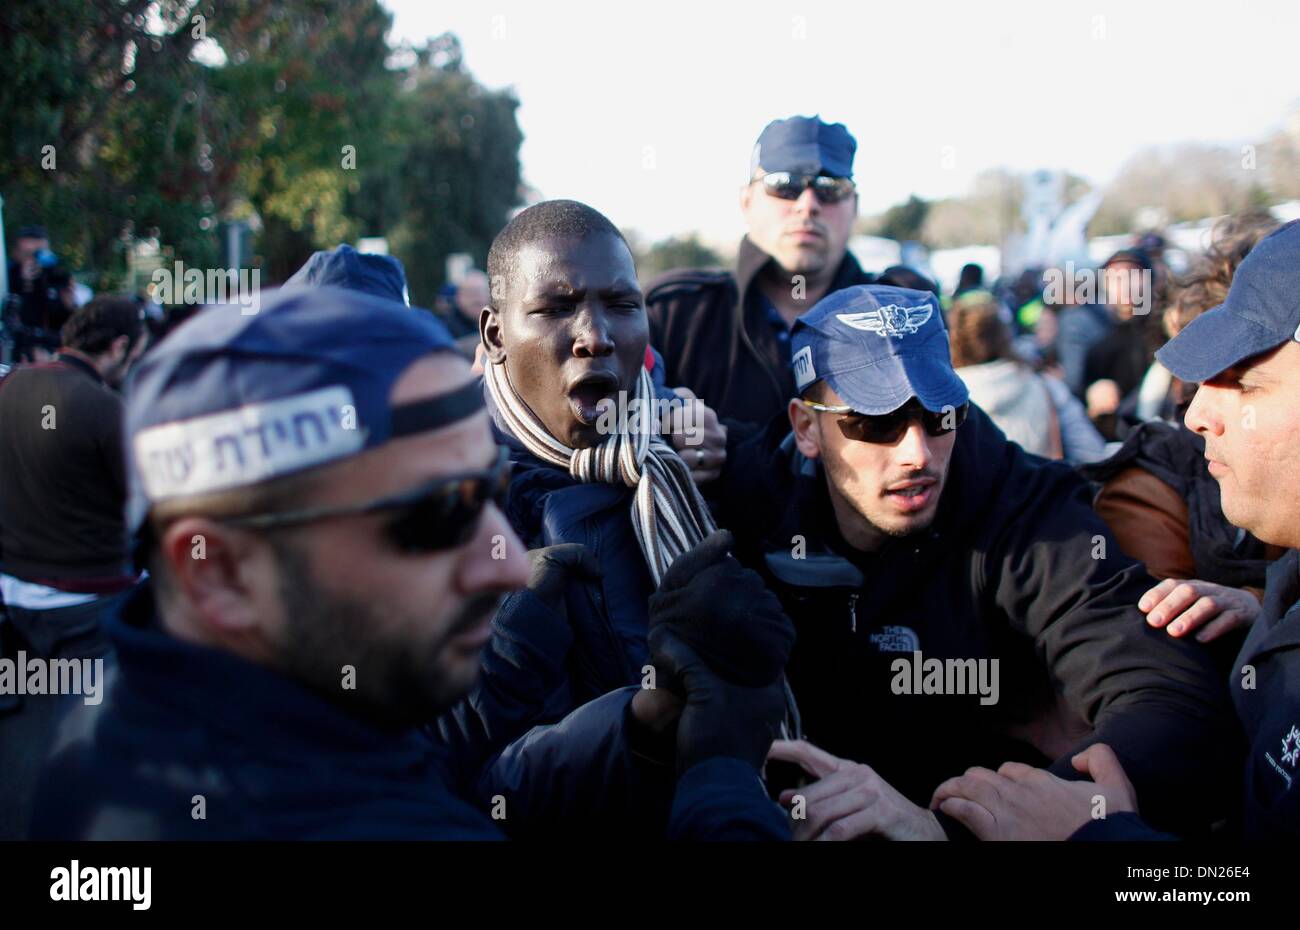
(229, 400)
(878, 347)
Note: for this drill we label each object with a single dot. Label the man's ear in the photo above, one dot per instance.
(489, 329)
(118, 348)
(807, 435)
(215, 572)
(746, 196)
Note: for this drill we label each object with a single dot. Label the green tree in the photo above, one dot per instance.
(451, 175)
(905, 221)
(83, 84)
(166, 117)
(670, 253)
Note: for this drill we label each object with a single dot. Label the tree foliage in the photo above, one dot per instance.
(167, 117)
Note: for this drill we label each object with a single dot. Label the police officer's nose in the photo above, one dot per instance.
(807, 204)
(495, 559)
(1203, 415)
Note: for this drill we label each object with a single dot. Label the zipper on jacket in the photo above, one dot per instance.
(853, 612)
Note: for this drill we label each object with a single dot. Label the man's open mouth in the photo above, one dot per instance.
(587, 392)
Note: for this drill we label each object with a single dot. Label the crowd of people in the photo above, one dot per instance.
(793, 550)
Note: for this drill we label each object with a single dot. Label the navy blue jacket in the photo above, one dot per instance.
(1265, 687)
(184, 729)
(605, 638)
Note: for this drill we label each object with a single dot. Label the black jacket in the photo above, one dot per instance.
(1016, 566)
(63, 477)
(1265, 687)
(272, 759)
(716, 341)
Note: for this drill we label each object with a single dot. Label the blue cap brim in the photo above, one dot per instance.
(1214, 342)
(888, 384)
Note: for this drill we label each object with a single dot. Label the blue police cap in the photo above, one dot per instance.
(878, 346)
(1261, 311)
(343, 266)
(231, 399)
(804, 145)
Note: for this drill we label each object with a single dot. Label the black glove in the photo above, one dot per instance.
(725, 613)
(553, 567)
(720, 718)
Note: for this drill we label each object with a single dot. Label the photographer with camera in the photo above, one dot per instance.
(41, 297)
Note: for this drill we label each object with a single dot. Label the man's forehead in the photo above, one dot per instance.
(598, 262)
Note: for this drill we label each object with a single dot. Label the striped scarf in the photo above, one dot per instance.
(668, 513)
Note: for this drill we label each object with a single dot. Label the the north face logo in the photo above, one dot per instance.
(896, 639)
(889, 320)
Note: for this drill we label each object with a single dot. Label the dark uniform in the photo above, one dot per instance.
(1265, 687)
(1006, 571)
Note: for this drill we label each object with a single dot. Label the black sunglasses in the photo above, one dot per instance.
(442, 514)
(789, 186)
(889, 427)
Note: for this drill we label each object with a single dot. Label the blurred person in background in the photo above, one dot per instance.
(42, 296)
(1116, 364)
(444, 302)
(971, 278)
(64, 560)
(1079, 326)
(1158, 496)
(1037, 411)
(472, 296)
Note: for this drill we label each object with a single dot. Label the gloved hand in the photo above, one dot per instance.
(720, 718)
(554, 567)
(725, 613)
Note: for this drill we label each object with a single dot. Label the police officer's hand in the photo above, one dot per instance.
(723, 611)
(698, 437)
(848, 800)
(1183, 606)
(720, 718)
(555, 567)
(1019, 802)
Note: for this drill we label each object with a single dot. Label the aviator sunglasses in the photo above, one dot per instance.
(888, 427)
(441, 514)
(789, 186)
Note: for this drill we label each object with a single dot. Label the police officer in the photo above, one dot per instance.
(956, 598)
(725, 335)
(1244, 355)
(314, 487)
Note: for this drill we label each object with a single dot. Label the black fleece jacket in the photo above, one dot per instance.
(1016, 567)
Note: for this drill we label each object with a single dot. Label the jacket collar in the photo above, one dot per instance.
(77, 363)
(1278, 626)
(255, 703)
(750, 260)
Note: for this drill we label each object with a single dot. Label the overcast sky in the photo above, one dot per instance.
(648, 111)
